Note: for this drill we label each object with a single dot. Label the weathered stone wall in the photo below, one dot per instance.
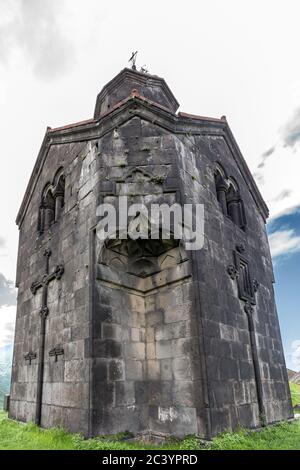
(147, 372)
(119, 352)
(174, 370)
(228, 356)
(66, 382)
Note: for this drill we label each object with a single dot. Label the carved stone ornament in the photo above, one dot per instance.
(232, 271)
(34, 287)
(255, 284)
(44, 312)
(43, 283)
(241, 248)
(248, 308)
(57, 351)
(47, 253)
(59, 270)
(30, 356)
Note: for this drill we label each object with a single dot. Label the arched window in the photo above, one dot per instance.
(48, 206)
(52, 203)
(221, 186)
(59, 196)
(235, 205)
(229, 198)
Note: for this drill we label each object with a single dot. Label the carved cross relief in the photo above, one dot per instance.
(247, 288)
(30, 356)
(241, 271)
(55, 352)
(44, 311)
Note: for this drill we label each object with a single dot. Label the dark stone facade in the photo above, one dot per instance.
(146, 338)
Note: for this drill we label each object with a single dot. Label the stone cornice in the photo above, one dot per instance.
(136, 105)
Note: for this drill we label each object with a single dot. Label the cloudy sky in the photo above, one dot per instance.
(235, 58)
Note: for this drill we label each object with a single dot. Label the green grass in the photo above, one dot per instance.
(284, 436)
(295, 392)
(18, 436)
(15, 436)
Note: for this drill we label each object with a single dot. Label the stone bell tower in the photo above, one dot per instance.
(143, 335)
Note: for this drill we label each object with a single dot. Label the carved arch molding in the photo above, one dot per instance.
(143, 264)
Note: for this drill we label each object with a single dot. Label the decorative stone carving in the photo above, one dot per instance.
(137, 174)
(30, 356)
(245, 286)
(139, 257)
(255, 284)
(59, 270)
(34, 287)
(241, 248)
(57, 351)
(233, 272)
(44, 312)
(248, 308)
(47, 278)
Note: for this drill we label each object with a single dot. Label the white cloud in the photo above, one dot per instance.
(291, 130)
(8, 295)
(32, 29)
(283, 242)
(278, 168)
(278, 179)
(296, 353)
(283, 195)
(7, 325)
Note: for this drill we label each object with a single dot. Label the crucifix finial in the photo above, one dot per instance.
(133, 60)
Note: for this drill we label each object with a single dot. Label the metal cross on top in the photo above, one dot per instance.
(133, 60)
(44, 311)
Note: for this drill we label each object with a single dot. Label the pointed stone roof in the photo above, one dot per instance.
(120, 87)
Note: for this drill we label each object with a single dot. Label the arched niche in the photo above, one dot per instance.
(139, 264)
(52, 202)
(235, 205)
(221, 186)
